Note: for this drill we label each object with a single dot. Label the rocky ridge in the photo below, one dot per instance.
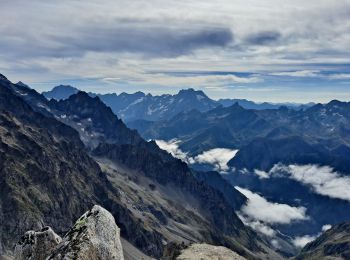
(332, 244)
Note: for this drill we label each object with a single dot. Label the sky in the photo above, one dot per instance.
(271, 50)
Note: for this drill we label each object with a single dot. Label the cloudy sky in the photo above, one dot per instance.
(272, 50)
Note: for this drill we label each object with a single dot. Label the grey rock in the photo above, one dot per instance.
(36, 245)
(94, 236)
(208, 252)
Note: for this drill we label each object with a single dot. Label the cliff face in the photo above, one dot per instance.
(44, 171)
(94, 236)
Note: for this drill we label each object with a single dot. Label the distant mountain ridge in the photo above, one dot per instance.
(141, 106)
(314, 140)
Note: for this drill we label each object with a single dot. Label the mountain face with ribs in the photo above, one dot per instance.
(49, 177)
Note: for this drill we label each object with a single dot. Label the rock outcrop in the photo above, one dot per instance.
(95, 236)
(37, 245)
(208, 252)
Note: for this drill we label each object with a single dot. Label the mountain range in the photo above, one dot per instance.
(58, 158)
(295, 158)
(141, 106)
(260, 181)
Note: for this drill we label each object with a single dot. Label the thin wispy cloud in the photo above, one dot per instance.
(301, 73)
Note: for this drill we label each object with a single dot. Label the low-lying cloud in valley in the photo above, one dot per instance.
(258, 208)
(303, 240)
(217, 157)
(322, 180)
(172, 147)
(263, 216)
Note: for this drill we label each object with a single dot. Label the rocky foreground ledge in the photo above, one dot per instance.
(96, 236)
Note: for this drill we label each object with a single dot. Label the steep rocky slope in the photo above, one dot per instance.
(47, 178)
(333, 244)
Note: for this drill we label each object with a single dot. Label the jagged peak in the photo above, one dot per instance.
(83, 96)
(21, 84)
(191, 91)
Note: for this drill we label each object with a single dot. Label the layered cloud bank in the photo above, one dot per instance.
(217, 157)
(128, 45)
(258, 208)
(322, 180)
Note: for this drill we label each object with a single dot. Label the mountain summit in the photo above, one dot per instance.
(60, 92)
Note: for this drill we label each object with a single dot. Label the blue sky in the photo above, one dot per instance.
(272, 50)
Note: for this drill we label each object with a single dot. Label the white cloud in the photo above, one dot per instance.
(340, 76)
(207, 81)
(300, 73)
(258, 208)
(322, 179)
(262, 174)
(172, 147)
(218, 157)
(303, 240)
(326, 227)
(258, 226)
(313, 35)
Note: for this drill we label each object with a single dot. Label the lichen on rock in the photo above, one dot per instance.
(94, 236)
(36, 245)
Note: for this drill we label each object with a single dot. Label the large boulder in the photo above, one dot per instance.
(94, 236)
(36, 245)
